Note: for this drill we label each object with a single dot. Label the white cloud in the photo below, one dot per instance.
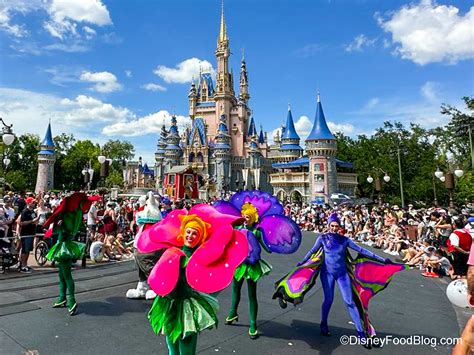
(73, 47)
(184, 71)
(429, 91)
(63, 75)
(86, 110)
(64, 15)
(428, 32)
(359, 43)
(345, 128)
(14, 30)
(128, 73)
(90, 32)
(104, 81)
(372, 103)
(303, 126)
(150, 124)
(153, 87)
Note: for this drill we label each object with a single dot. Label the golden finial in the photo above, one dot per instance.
(223, 32)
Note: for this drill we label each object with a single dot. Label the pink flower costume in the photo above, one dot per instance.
(187, 273)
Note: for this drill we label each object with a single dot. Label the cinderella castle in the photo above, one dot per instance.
(221, 150)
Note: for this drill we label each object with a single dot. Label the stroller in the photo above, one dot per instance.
(9, 255)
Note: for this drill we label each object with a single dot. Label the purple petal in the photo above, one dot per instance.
(254, 248)
(264, 202)
(280, 234)
(226, 208)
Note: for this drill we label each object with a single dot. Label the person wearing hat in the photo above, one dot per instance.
(330, 258)
(26, 229)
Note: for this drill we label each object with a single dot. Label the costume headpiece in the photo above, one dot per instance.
(334, 218)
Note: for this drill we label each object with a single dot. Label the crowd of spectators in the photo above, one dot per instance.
(435, 240)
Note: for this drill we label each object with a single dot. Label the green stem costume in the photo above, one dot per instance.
(183, 313)
(252, 272)
(67, 219)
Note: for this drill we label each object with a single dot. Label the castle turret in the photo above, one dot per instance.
(252, 131)
(160, 157)
(173, 150)
(290, 141)
(221, 154)
(321, 147)
(46, 159)
(192, 99)
(244, 83)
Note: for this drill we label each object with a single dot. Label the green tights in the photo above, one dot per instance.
(253, 304)
(186, 346)
(66, 283)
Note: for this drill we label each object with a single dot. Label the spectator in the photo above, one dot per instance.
(26, 229)
(459, 245)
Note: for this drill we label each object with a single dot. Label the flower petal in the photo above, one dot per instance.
(164, 276)
(162, 234)
(216, 276)
(280, 234)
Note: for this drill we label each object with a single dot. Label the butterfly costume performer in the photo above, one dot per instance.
(358, 279)
(202, 251)
(265, 227)
(65, 222)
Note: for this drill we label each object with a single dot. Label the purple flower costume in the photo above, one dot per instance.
(270, 230)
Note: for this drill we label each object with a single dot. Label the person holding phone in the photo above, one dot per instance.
(26, 229)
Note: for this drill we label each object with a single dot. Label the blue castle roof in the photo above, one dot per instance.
(261, 137)
(198, 125)
(320, 127)
(252, 130)
(48, 138)
(304, 161)
(290, 131)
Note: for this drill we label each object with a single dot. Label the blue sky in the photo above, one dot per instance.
(115, 69)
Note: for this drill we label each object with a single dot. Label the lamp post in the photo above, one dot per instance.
(7, 133)
(449, 181)
(378, 184)
(104, 165)
(88, 173)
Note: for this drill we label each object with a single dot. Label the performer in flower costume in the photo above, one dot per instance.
(66, 221)
(202, 252)
(266, 227)
(358, 280)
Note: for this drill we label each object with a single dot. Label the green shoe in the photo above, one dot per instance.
(73, 309)
(59, 304)
(230, 320)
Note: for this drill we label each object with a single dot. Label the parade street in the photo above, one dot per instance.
(109, 323)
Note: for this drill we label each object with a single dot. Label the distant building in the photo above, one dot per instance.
(46, 159)
(313, 176)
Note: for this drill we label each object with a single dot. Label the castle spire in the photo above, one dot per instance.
(223, 31)
(320, 127)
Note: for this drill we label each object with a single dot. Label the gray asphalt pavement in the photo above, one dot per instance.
(108, 323)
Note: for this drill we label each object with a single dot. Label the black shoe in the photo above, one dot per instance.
(324, 329)
(230, 320)
(253, 335)
(283, 304)
(73, 309)
(60, 304)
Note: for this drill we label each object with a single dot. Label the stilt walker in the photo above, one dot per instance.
(66, 221)
(202, 251)
(266, 227)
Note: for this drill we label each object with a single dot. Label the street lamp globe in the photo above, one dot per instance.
(370, 179)
(109, 161)
(439, 174)
(386, 178)
(6, 161)
(91, 172)
(101, 159)
(458, 172)
(8, 138)
(442, 178)
(84, 171)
